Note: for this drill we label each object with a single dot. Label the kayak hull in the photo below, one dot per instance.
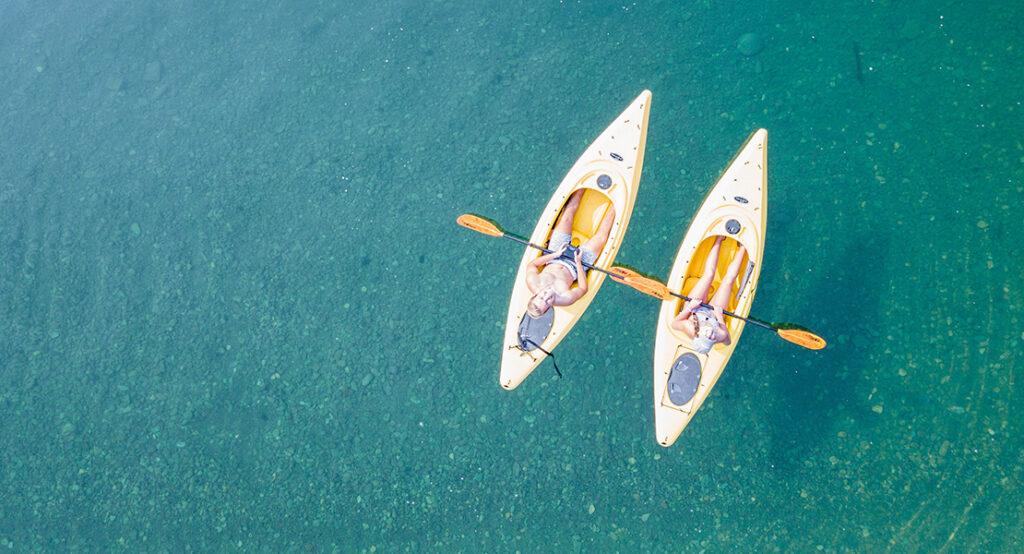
(609, 172)
(735, 208)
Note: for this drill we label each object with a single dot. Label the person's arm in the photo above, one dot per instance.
(537, 263)
(581, 280)
(680, 323)
(720, 316)
(575, 294)
(688, 309)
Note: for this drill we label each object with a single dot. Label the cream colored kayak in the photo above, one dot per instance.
(609, 171)
(735, 208)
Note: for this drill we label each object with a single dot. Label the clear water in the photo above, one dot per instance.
(238, 313)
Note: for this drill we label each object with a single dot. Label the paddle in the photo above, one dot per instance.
(656, 289)
(486, 227)
(643, 284)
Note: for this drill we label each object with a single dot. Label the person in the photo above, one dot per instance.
(550, 277)
(706, 326)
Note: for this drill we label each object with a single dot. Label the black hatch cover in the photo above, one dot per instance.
(684, 379)
(532, 332)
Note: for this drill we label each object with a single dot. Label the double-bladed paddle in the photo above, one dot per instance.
(486, 227)
(656, 289)
(643, 284)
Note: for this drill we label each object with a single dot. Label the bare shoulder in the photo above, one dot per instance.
(569, 297)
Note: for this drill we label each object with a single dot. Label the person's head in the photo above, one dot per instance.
(540, 303)
(704, 335)
(702, 344)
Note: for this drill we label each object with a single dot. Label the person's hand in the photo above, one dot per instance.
(691, 305)
(579, 256)
(560, 251)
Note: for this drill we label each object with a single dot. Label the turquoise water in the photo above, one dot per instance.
(238, 313)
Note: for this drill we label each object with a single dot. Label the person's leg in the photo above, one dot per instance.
(703, 286)
(596, 243)
(564, 223)
(724, 292)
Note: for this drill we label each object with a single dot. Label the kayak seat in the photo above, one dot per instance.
(688, 284)
(725, 258)
(588, 218)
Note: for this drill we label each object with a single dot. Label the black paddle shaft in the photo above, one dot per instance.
(726, 312)
(547, 251)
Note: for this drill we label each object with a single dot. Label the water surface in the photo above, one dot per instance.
(238, 314)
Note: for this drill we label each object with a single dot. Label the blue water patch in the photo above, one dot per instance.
(238, 313)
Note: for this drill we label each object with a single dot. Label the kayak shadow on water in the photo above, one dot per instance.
(817, 395)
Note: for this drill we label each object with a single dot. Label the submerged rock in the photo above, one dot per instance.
(750, 44)
(114, 83)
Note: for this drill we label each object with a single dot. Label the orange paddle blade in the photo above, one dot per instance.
(641, 283)
(622, 273)
(479, 225)
(806, 339)
(619, 273)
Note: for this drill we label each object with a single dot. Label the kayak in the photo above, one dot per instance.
(609, 173)
(734, 208)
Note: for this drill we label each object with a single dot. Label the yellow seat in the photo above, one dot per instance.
(592, 208)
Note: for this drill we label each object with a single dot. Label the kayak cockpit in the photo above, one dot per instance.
(593, 206)
(727, 252)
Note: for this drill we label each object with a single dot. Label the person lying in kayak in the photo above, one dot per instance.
(550, 277)
(706, 326)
